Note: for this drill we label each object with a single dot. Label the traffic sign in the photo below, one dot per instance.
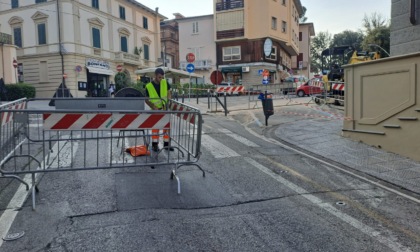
(119, 68)
(190, 68)
(15, 64)
(265, 82)
(190, 57)
(260, 71)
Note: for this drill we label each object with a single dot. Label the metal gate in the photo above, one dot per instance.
(42, 141)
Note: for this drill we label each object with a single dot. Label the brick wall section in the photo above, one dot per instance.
(405, 37)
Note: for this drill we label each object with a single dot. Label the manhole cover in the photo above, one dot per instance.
(13, 236)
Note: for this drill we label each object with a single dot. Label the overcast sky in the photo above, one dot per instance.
(333, 16)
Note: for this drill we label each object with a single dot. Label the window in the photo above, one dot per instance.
(300, 36)
(95, 4)
(146, 52)
(15, 4)
(96, 38)
(42, 34)
(284, 26)
(195, 27)
(273, 55)
(17, 36)
(231, 53)
(124, 47)
(43, 71)
(40, 1)
(145, 24)
(122, 12)
(273, 23)
(283, 2)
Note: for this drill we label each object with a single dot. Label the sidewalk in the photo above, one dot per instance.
(319, 131)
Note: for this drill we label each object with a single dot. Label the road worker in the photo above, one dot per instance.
(158, 92)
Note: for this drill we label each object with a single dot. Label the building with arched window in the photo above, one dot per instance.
(82, 43)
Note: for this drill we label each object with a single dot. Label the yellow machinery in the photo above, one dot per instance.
(334, 72)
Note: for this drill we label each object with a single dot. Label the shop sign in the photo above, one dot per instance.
(97, 63)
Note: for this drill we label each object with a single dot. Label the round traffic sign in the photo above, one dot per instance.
(190, 68)
(190, 57)
(119, 68)
(15, 64)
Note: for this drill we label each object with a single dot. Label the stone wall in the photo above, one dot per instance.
(405, 36)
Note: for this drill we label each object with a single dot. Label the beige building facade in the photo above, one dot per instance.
(196, 36)
(382, 97)
(255, 35)
(8, 72)
(301, 64)
(83, 43)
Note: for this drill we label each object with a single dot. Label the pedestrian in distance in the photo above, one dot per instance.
(111, 90)
(158, 93)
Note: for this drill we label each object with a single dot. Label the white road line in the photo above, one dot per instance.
(117, 156)
(19, 198)
(395, 246)
(239, 138)
(216, 148)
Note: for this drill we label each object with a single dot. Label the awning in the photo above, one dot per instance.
(231, 70)
(169, 73)
(100, 70)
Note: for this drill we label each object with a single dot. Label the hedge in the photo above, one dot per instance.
(14, 92)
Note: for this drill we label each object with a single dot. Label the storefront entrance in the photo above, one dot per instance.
(97, 85)
(98, 75)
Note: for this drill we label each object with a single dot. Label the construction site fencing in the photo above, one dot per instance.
(63, 140)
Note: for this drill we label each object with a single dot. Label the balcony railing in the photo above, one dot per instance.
(228, 5)
(5, 38)
(127, 57)
(198, 64)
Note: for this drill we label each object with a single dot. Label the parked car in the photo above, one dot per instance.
(291, 83)
(311, 87)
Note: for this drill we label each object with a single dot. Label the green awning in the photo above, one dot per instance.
(231, 70)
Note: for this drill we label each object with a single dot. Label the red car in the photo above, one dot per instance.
(311, 87)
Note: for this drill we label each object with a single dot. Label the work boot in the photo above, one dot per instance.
(166, 147)
(155, 147)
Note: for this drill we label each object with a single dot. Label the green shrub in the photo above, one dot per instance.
(16, 91)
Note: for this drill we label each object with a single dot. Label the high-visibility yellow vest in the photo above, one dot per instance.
(153, 95)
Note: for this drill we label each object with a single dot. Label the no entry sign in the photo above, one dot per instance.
(190, 57)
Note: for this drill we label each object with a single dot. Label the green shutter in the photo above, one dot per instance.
(42, 35)
(96, 38)
(124, 46)
(146, 52)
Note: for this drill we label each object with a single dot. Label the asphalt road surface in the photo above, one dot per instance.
(256, 196)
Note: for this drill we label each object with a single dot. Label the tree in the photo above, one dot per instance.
(319, 43)
(302, 17)
(350, 38)
(377, 34)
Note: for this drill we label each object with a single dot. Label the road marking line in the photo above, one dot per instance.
(395, 246)
(216, 148)
(239, 138)
(20, 196)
